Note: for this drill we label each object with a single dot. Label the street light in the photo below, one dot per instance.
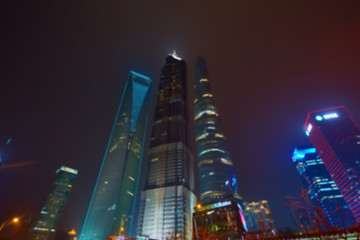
(8, 222)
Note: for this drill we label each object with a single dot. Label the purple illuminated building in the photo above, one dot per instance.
(336, 138)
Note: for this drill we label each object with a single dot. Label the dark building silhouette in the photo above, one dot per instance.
(51, 212)
(112, 205)
(62, 235)
(336, 138)
(168, 196)
(322, 189)
(216, 170)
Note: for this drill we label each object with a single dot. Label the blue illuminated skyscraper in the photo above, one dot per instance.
(168, 198)
(112, 205)
(51, 212)
(336, 138)
(322, 189)
(216, 170)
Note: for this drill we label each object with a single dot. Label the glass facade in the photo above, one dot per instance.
(219, 221)
(216, 170)
(55, 203)
(259, 220)
(168, 196)
(112, 205)
(336, 138)
(322, 189)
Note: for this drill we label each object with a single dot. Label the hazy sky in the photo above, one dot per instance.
(64, 65)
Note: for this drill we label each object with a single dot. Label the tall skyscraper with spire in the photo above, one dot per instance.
(217, 177)
(113, 202)
(168, 196)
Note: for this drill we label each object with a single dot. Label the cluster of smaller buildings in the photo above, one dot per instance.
(165, 206)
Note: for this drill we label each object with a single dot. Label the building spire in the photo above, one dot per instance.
(174, 55)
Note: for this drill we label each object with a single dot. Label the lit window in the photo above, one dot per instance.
(208, 112)
(225, 161)
(211, 150)
(201, 137)
(331, 115)
(308, 129)
(113, 147)
(219, 135)
(319, 118)
(206, 161)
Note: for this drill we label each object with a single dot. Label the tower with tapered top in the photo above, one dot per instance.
(112, 205)
(168, 196)
(217, 176)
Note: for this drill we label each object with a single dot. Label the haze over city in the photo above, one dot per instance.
(65, 65)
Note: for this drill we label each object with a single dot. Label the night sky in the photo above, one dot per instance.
(64, 65)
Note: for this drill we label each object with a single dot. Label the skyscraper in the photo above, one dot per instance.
(336, 138)
(322, 189)
(54, 205)
(112, 205)
(168, 196)
(216, 170)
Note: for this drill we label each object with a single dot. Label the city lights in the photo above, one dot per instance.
(331, 115)
(319, 118)
(308, 129)
(236, 133)
(8, 222)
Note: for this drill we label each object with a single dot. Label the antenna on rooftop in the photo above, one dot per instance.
(174, 55)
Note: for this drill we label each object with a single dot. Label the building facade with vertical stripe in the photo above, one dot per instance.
(336, 137)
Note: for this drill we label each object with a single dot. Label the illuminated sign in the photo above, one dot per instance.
(308, 129)
(300, 154)
(330, 116)
(319, 118)
(220, 204)
(142, 238)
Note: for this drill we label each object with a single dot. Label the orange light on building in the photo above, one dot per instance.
(72, 232)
